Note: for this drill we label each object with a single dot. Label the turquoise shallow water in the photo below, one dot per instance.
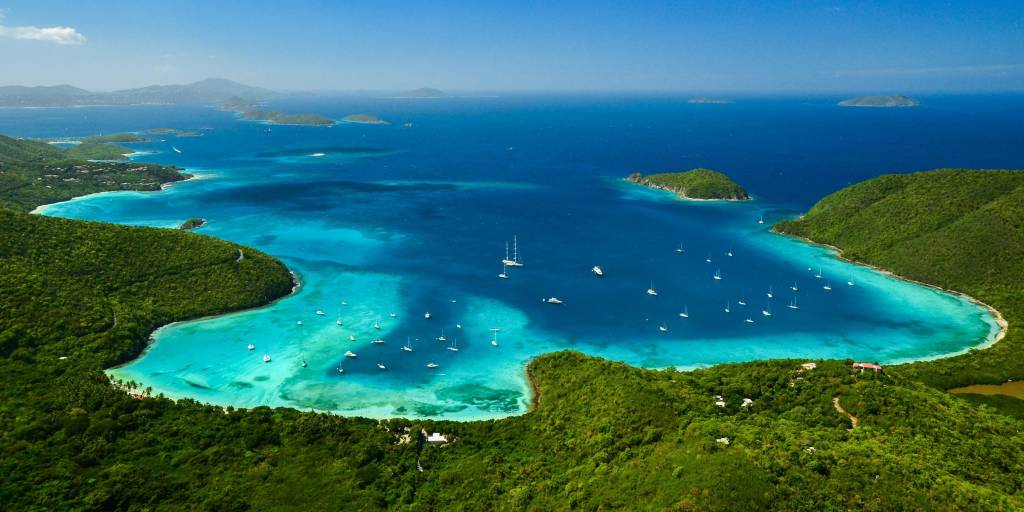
(409, 220)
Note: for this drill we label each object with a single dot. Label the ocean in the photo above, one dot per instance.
(384, 224)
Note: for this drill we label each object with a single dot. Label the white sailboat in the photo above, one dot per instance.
(516, 261)
(426, 315)
(794, 287)
(351, 337)
(376, 324)
(708, 259)
(597, 271)
(552, 300)
(849, 283)
(299, 323)
(742, 301)
(718, 275)
(504, 272)
(392, 314)
(494, 336)
(818, 275)
(408, 345)
(251, 347)
(650, 291)
(761, 220)
(827, 287)
(770, 292)
(685, 313)
(729, 252)
(680, 249)
(727, 309)
(792, 304)
(767, 311)
(749, 320)
(441, 337)
(381, 366)
(432, 365)
(304, 363)
(663, 328)
(378, 341)
(340, 369)
(455, 345)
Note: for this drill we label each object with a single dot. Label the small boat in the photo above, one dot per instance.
(381, 366)
(458, 326)
(376, 325)
(441, 337)
(663, 328)
(729, 252)
(455, 345)
(717, 276)
(392, 314)
(431, 365)
(349, 353)
(344, 303)
(555, 300)
(408, 345)
(320, 312)
(340, 369)
(504, 272)
(792, 304)
(749, 320)
(818, 275)
(849, 283)
(767, 311)
(827, 287)
(685, 313)
(794, 287)
(266, 358)
(251, 347)
(742, 301)
(708, 259)
(651, 292)
(378, 341)
(304, 362)
(597, 271)
(494, 336)
(770, 292)
(761, 220)
(727, 310)
(351, 337)
(176, 150)
(494, 341)
(426, 315)
(680, 249)
(298, 323)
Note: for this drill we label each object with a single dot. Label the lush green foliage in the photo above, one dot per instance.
(278, 117)
(602, 435)
(34, 173)
(193, 223)
(364, 119)
(115, 138)
(694, 184)
(958, 229)
(97, 151)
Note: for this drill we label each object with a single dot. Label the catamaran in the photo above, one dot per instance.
(597, 271)
(455, 345)
(685, 313)
(408, 345)
(650, 291)
(504, 272)
(515, 261)
(717, 276)
(792, 304)
(266, 358)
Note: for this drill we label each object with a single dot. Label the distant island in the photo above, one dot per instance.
(704, 100)
(249, 111)
(363, 119)
(193, 223)
(423, 92)
(703, 184)
(174, 131)
(880, 101)
(206, 91)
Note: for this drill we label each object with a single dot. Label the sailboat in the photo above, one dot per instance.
(349, 353)
(340, 369)
(597, 271)
(761, 220)
(494, 336)
(650, 291)
(426, 315)
(251, 347)
(792, 304)
(727, 310)
(515, 261)
(392, 314)
(344, 303)
(441, 337)
(408, 345)
(680, 249)
(849, 283)
(794, 287)
(827, 287)
(708, 259)
(742, 301)
(431, 365)
(458, 326)
(304, 364)
(376, 324)
(504, 272)
(319, 312)
(767, 311)
(351, 337)
(338, 321)
(729, 252)
(553, 300)
(717, 276)
(381, 366)
(663, 328)
(770, 292)
(685, 313)
(378, 341)
(299, 323)
(749, 320)
(455, 345)
(818, 275)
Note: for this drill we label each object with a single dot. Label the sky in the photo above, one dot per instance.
(695, 46)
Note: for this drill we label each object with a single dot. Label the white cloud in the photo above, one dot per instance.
(59, 35)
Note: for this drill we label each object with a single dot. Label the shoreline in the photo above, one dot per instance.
(192, 176)
(683, 197)
(1001, 323)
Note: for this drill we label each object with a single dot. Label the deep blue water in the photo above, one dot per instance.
(415, 219)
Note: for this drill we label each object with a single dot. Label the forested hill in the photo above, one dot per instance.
(954, 228)
(34, 173)
(694, 184)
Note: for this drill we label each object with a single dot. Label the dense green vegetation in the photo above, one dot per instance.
(193, 223)
(34, 173)
(694, 184)
(958, 229)
(251, 112)
(97, 151)
(115, 138)
(363, 119)
(78, 297)
(174, 131)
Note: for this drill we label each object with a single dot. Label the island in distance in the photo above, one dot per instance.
(249, 111)
(705, 100)
(880, 101)
(700, 184)
(363, 119)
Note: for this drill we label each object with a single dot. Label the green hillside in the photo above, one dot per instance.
(694, 184)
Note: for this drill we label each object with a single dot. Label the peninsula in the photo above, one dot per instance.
(363, 119)
(700, 184)
(880, 101)
(249, 111)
